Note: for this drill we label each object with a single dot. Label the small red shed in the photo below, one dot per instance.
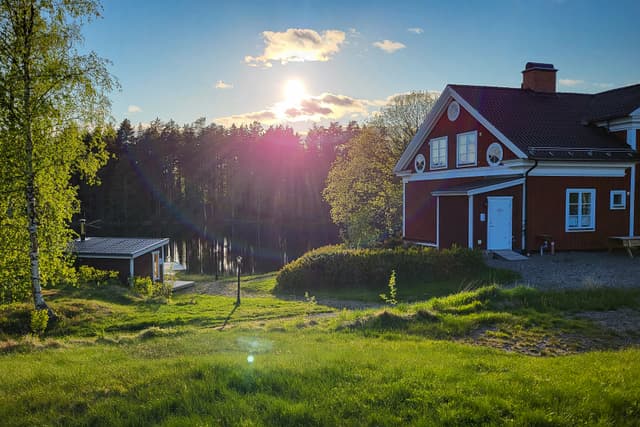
(130, 257)
(500, 168)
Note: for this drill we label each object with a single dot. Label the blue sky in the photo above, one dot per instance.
(347, 58)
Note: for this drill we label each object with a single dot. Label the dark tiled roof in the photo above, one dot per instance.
(614, 103)
(115, 246)
(554, 125)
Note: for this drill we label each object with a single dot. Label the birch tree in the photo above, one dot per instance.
(51, 96)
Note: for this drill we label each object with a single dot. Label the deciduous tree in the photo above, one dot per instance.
(51, 96)
(364, 195)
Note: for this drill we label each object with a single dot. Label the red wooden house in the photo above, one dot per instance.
(510, 168)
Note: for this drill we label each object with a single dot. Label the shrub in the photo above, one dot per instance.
(90, 276)
(334, 267)
(145, 287)
(393, 291)
(39, 321)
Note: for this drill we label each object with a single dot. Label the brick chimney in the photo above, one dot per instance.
(539, 77)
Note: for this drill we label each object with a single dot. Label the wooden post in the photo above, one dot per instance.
(239, 261)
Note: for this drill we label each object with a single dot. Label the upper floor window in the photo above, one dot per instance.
(618, 199)
(580, 210)
(467, 148)
(438, 150)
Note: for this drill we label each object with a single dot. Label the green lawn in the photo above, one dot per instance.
(408, 291)
(119, 360)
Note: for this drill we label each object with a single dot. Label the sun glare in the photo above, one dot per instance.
(294, 91)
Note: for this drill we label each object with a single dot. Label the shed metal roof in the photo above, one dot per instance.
(115, 247)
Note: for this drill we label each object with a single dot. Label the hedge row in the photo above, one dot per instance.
(334, 267)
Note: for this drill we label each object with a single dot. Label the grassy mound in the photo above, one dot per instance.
(521, 319)
(335, 268)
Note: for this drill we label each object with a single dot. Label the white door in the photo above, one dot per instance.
(499, 221)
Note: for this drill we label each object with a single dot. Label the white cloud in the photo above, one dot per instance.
(222, 85)
(134, 109)
(570, 82)
(323, 107)
(297, 45)
(319, 109)
(583, 83)
(415, 30)
(389, 46)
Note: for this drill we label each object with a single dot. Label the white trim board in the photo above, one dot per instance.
(622, 123)
(428, 244)
(631, 138)
(404, 208)
(550, 168)
(632, 201)
(438, 222)
(89, 256)
(470, 225)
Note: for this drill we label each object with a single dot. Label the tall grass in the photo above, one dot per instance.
(314, 378)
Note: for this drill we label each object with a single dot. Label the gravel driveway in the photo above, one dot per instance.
(575, 269)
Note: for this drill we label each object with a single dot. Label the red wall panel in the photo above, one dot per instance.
(420, 211)
(546, 204)
(454, 225)
(119, 265)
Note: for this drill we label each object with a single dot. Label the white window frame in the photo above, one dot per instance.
(439, 140)
(623, 195)
(592, 214)
(475, 160)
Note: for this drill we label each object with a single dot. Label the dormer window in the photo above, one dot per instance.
(467, 149)
(438, 153)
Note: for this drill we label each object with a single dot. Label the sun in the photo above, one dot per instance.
(294, 91)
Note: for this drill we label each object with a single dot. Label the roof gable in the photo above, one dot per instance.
(540, 125)
(620, 102)
(435, 114)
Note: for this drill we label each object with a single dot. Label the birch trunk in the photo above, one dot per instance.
(30, 189)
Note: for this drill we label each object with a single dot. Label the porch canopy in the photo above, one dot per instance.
(480, 186)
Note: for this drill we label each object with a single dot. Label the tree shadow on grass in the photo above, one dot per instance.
(233, 310)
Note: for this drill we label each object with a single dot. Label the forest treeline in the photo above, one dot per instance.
(260, 188)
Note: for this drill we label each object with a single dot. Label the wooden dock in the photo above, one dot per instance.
(182, 284)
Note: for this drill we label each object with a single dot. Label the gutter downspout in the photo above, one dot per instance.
(524, 206)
